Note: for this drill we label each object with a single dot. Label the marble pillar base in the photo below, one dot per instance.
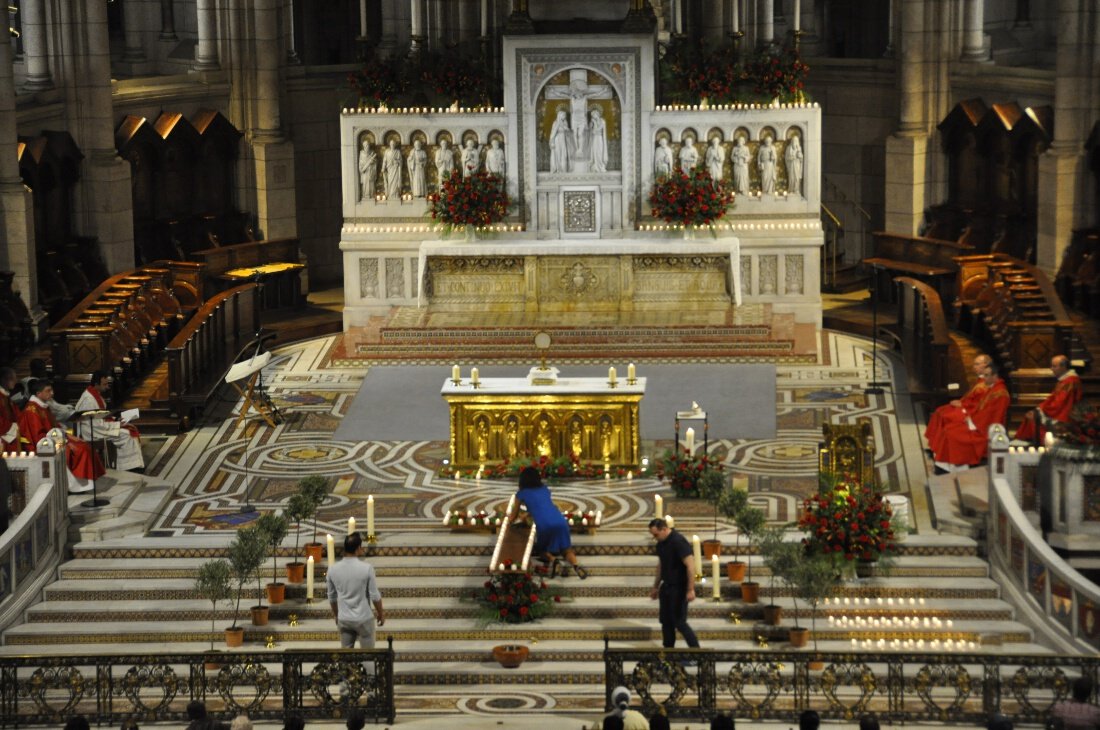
(906, 182)
(107, 202)
(275, 195)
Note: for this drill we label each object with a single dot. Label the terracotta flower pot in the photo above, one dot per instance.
(711, 547)
(799, 636)
(773, 615)
(510, 656)
(315, 550)
(815, 665)
(234, 637)
(295, 572)
(750, 592)
(735, 571)
(260, 615)
(276, 592)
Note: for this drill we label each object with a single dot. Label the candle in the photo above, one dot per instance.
(611, 375)
(351, 525)
(697, 551)
(631, 373)
(689, 440)
(599, 517)
(370, 514)
(670, 520)
(797, 14)
(474, 376)
(363, 18)
(658, 506)
(456, 373)
(309, 578)
(735, 20)
(715, 578)
(331, 550)
(447, 517)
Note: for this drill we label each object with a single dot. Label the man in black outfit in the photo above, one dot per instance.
(675, 583)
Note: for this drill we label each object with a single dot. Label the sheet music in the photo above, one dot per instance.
(131, 414)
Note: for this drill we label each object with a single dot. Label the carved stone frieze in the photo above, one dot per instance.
(591, 279)
(793, 275)
(746, 274)
(471, 265)
(395, 278)
(665, 263)
(368, 278)
(768, 274)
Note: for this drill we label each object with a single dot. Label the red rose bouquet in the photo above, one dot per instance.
(478, 200)
(683, 471)
(516, 597)
(848, 521)
(779, 75)
(689, 200)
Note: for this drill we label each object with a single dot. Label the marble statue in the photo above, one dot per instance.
(597, 140)
(444, 160)
(662, 158)
(793, 157)
(765, 163)
(368, 171)
(739, 157)
(562, 145)
(689, 156)
(495, 162)
(418, 170)
(715, 159)
(471, 158)
(578, 92)
(391, 169)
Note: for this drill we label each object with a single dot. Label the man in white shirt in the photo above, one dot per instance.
(352, 591)
(124, 436)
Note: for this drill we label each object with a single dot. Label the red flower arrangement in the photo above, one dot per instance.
(516, 597)
(456, 78)
(1082, 428)
(683, 471)
(477, 200)
(779, 75)
(689, 200)
(848, 521)
(379, 82)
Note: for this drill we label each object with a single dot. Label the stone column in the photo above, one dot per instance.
(16, 204)
(206, 50)
(766, 23)
(974, 31)
(134, 51)
(167, 21)
(906, 150)
(35, 48)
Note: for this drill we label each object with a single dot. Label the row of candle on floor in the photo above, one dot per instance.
(591, 517)
(888, 621)
(849, 601)
(900, 644)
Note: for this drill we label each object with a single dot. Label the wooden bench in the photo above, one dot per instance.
(273, 263)
(929, 260)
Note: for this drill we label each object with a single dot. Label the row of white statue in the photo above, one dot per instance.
(740, 156)
(394, 163)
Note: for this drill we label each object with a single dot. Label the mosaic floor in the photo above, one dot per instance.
(219, 467)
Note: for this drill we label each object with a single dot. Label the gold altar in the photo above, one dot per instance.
(508, 417)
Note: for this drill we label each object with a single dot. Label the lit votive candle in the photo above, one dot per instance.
(611, 375)
(351, 525)
(631, 373)
(456, 373)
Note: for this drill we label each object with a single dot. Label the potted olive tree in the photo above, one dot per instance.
(315, 489)
(750, 521)
(730, 503)
(781, 557)
(274, 528)
(711, 484)
(812, 578)
(212, 583)
(246, 557)
(297, 510)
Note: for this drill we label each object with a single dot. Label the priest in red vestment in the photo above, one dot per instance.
(955, 411)
(960, 439)
(36, 421)
(9, 412)
(1057, 406)
(124, 436)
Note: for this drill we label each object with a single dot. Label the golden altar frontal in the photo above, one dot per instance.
(508, 417)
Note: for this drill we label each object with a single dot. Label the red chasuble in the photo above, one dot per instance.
(948, 414)
(36, 421)
(955, 442)
(1057, 406)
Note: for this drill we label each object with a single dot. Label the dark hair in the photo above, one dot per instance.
(352, 543)
(612, 722)
(530, 478)
(97, 376)
(998, 722)
(356, 720)
(659, 722)
(658, 522)
(79, 722)
(294, 722)
(196, 710)
(721, 722)
(37, 385)
(809, 720)
(868, 722)
(1082, 689)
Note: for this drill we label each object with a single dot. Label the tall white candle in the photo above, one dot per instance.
(456, 372)
(658, 506)
(484, 18)
(797, 15)
(331, 544)
(351, 525)
(697, 551)
(715, 578)
(370, 514)
(362, 18)
(631, 372)
(689, 440)
(611, 374)
(309, 577)
(670, 520)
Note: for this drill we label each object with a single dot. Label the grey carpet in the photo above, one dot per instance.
(402, 403)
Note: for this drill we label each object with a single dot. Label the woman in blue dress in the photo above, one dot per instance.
(552, 536)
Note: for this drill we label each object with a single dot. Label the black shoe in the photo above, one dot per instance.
(554, 568)
(939, 470)
(581, 572)
(564, 571)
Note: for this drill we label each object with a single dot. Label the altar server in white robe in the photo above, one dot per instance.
(125, 437)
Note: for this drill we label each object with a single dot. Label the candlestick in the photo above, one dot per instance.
(351, 525)
(797, 15)
(697, 551)
(475, 379)
(331, 550)
(631, 374)
(715, 578)
(309, 578)
(456, 374)
(689, 441)
(370, 515)
(611, 376)
(658, 506)
(735, 19)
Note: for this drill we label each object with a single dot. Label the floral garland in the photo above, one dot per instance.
(847, 520)
(477, 200)
(471, 519)
(515, 597)
(683, 471)
(692, 72)
(591, 518)
(554, 468)
(689, 200)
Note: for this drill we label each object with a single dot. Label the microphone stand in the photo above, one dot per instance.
(96, 501)
(874, 387)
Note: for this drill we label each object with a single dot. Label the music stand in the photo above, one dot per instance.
(90, 415)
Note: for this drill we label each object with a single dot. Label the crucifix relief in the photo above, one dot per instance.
(579, 144)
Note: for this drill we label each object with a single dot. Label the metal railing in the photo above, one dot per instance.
(110, 688)
(833, 233)
(898, 686)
